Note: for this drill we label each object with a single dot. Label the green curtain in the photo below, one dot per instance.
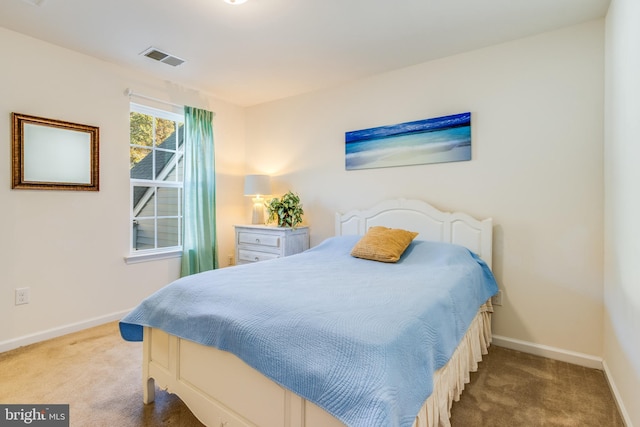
(200, 248)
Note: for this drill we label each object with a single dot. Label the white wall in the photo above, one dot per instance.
(622, 203)
(537, 123)
(69, 247)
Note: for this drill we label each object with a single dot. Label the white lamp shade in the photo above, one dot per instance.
(257, 185)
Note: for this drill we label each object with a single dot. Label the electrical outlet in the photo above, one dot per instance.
(497, 298)
(230, 260)
(22, 296)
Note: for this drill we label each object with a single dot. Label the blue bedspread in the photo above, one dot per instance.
(359, 338)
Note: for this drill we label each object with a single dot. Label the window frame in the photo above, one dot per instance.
(140, 255)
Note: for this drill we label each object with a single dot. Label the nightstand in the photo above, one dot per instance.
(261, 242)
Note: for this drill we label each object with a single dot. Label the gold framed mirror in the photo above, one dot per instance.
(50, 154)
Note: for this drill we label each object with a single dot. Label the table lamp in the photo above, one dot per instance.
(257, 186)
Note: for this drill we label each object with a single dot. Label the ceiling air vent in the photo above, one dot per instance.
(161, 56)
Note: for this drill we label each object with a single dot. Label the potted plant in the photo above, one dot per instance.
(286, 211)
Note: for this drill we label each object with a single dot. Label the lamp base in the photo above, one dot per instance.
(258, 211)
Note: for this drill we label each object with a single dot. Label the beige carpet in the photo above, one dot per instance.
(518, 389)
(97, 373)
(99, 376)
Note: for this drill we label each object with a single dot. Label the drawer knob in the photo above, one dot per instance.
(258, 241)
(256, 259)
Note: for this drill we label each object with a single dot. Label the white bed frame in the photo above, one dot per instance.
(222, 391)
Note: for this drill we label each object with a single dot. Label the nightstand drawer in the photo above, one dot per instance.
(245, 255)
(259, 239)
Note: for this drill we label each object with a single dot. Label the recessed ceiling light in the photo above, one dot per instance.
(235, 2)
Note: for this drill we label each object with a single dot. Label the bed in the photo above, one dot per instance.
(231, 375)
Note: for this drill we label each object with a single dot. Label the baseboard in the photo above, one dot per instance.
(57, 332)
(555, 353)
(616, 396)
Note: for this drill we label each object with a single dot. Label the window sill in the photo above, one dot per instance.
(135, 258)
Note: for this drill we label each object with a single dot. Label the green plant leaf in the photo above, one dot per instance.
(286, 211)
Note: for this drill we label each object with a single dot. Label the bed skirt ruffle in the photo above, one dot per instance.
(449, 381)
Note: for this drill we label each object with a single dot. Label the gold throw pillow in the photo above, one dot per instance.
(383, 244)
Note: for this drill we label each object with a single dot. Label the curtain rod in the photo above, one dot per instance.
(131, 93)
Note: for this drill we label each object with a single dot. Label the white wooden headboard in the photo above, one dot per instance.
(429, 222)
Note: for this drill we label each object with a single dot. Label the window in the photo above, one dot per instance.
(156, 175)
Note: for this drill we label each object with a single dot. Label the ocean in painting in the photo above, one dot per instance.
(436, 140)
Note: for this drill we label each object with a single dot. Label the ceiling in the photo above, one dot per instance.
(264, 50)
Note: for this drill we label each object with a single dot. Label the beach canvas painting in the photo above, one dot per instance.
(436, 140)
